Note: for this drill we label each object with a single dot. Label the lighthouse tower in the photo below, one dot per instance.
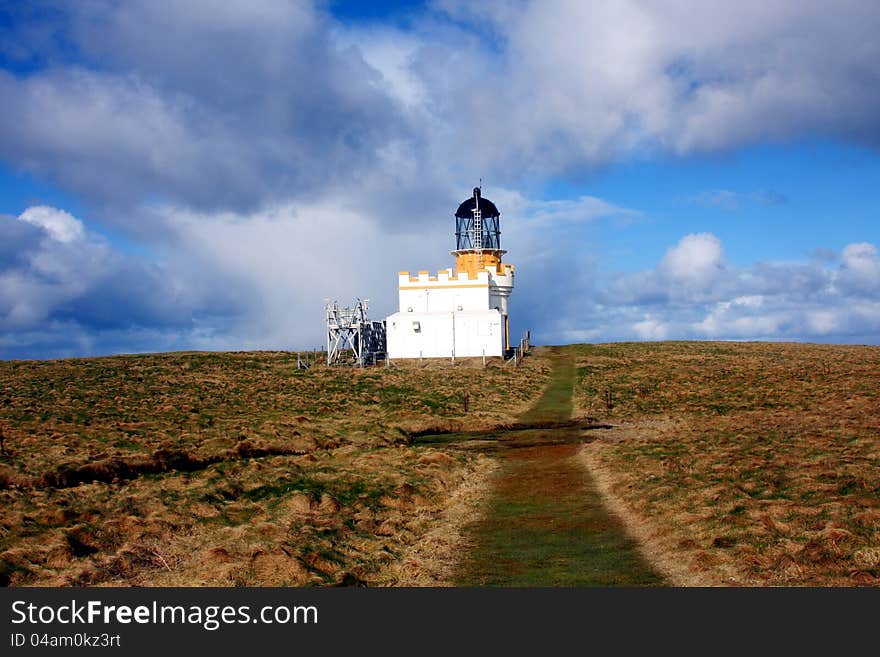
(463, 310)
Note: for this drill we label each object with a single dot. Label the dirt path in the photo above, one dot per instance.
(545, 524)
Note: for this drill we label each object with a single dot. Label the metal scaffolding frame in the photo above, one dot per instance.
(349, 328)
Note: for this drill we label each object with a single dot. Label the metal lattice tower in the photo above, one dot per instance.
(349, 328)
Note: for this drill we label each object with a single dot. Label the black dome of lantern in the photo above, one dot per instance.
(487, 207)
(465, 235)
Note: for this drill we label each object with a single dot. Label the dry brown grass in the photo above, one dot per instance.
(745, 463)
(233, 469)
(432, 560)
(679, 563)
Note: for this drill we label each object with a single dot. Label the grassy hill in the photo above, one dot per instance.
(732, 463)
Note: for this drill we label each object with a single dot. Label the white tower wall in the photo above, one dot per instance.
(450, 315)
(444, 335)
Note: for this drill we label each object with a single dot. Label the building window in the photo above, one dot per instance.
(417, 327)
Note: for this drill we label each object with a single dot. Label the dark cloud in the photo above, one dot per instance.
(200, 106)
(795, 280)
(17, 240)
(126, 296)
(59, 280)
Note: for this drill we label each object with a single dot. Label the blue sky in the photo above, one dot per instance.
(766, 202)
(174, 176)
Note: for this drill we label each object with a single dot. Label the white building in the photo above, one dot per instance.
(462, 311)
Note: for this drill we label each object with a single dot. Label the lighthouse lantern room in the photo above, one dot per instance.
(463, 310)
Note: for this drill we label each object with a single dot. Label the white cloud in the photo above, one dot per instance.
(860, 269)
(693, 294)
(60, 225)
(696, 261)
(651, 329)
(823, 322)
(288, 259)
(392, 54)
(742, 317)
(572, 211)
(572, 84)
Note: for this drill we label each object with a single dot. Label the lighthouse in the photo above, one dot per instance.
(463, 310)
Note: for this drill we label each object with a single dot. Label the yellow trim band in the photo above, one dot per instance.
(441, 287)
